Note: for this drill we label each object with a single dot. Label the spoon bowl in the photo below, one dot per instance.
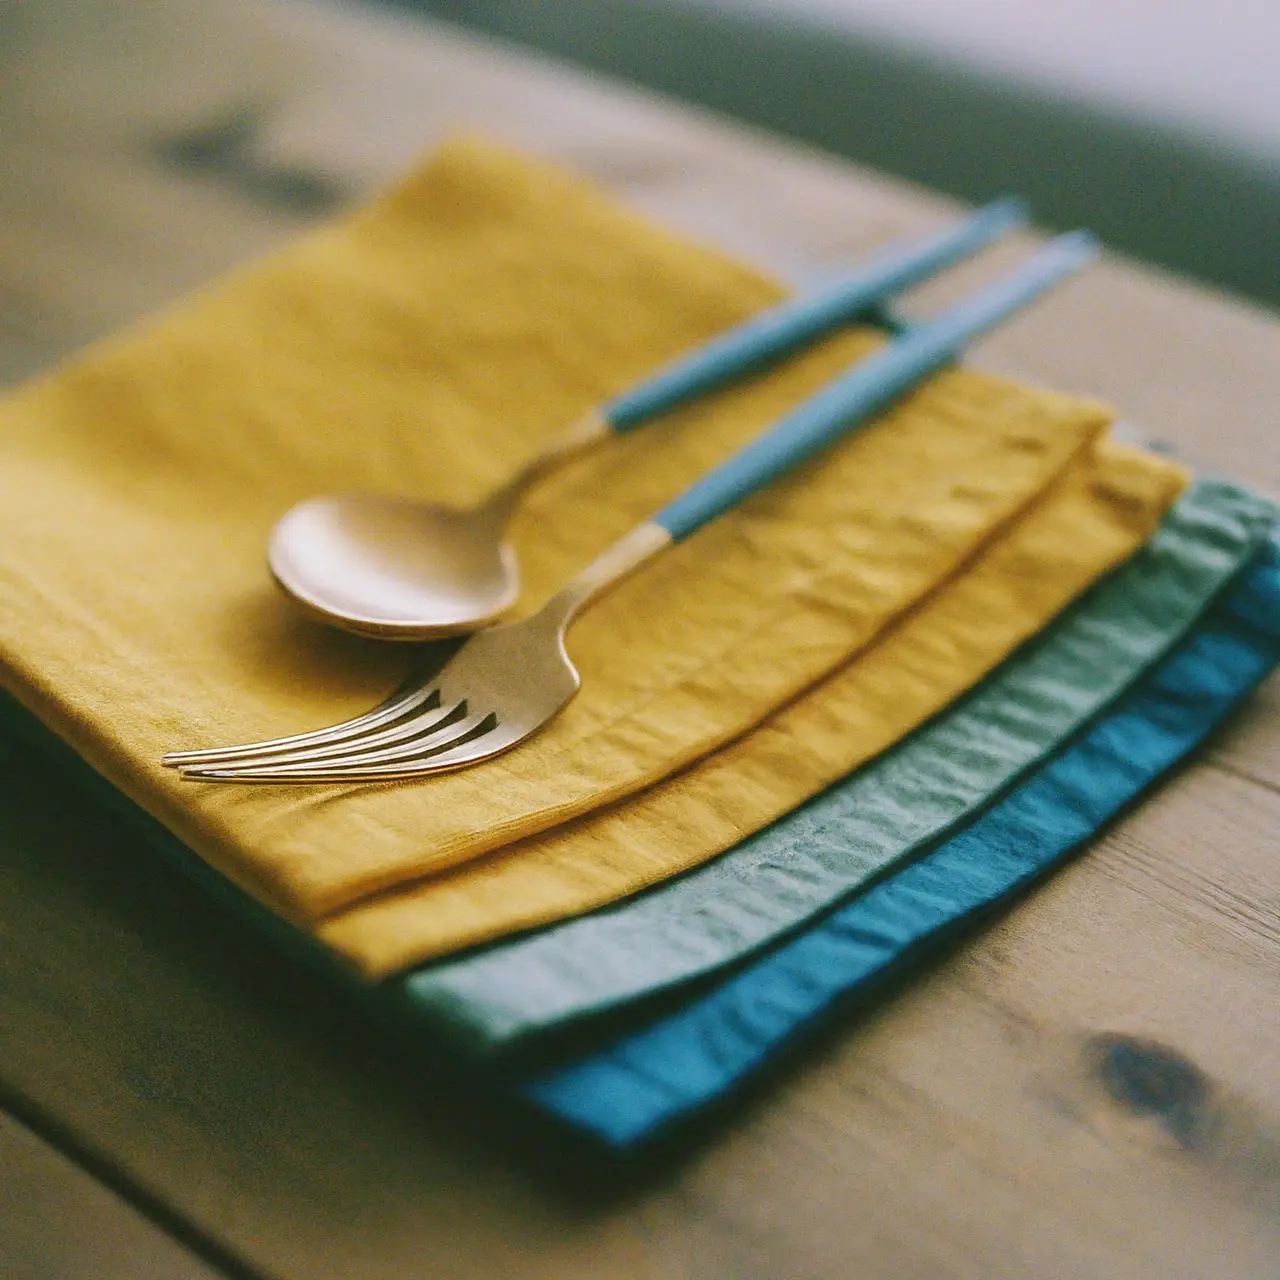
(395, 568)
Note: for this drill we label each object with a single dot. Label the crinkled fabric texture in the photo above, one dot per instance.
(425, 346)
(628, 1091)
(774, 881)
(1098, 514)
(1092, 519)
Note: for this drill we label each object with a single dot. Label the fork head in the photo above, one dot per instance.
(500, 687)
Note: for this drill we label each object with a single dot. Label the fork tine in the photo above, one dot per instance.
(436, 715)
(411, 695)
(407, 760)
(427, 734)
(470, 752)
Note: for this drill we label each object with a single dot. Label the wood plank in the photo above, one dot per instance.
(57, 1220)
(1054, 1096)
(1090, 1088)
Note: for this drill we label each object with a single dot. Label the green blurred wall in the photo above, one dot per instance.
(1159, 193)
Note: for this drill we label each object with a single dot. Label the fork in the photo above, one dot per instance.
(506, 683)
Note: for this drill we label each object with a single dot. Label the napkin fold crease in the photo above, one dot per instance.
(1093, 518)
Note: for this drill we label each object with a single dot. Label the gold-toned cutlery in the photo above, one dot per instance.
(506, 683)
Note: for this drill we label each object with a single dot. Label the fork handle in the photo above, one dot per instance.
(794, 324)
(871, 385)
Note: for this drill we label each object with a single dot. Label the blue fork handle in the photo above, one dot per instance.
(794, 324)
(871, 385)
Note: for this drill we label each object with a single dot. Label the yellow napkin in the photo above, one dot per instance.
(424, 346)
(1100, 513)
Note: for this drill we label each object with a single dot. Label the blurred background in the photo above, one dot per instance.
(146, 145)
(1157, 122)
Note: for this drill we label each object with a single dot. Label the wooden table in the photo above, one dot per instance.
(1089, 1088)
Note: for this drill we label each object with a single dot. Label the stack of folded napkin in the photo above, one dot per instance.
(817, 737)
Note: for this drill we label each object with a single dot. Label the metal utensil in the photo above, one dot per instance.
(406, 570)
(504, 684)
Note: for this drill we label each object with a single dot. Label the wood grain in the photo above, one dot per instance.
(60, 1222)
(1090, 1088)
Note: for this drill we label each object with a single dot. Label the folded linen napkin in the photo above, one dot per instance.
(642, 1082)
(1098, 514)
(423, 346)
(776, 880)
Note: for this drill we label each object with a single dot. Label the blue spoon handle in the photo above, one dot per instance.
(794, 324)
(871, 385)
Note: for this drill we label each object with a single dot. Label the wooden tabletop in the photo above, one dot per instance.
(1091, 1087)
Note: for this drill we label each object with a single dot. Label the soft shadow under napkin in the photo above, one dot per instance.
(1097, 515)
(424, 346)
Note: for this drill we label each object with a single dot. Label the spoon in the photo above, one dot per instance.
(400, 569)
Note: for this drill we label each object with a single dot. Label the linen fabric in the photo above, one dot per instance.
(424, 346)
(1099, 513)
(776, 880)
(644, 1081)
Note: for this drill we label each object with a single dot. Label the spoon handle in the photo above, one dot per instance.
(871, 385)
(868, 387)
(798, 322)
